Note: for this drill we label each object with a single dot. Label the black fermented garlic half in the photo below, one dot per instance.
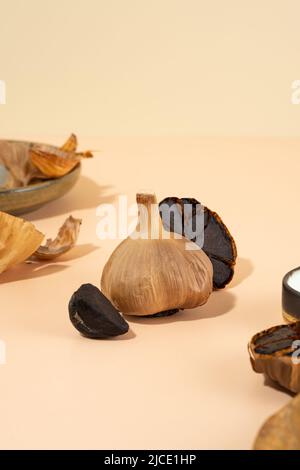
(276, 353)
(93, 315)
(216, 241)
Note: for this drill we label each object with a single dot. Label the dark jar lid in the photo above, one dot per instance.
(290, 298)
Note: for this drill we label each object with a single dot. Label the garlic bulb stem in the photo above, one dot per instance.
(149, 226)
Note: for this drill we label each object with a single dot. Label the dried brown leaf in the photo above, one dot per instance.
(54, 162)
(65, 240)
(71, 144)
(28, 161)
(18, 240)
(6, 178)
(15, 157)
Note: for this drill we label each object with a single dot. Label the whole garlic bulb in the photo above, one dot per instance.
(147, 275)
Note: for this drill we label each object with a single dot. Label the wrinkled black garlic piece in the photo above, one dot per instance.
(93, 315)
(212, 235)
(276, 353)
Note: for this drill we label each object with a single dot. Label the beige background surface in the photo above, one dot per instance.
(182, 382)
(133, 68)
(149, 67)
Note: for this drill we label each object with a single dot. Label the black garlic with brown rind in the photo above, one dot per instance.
(211, 235)
(275, 352)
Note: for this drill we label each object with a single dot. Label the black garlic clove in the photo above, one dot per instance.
(93, 315)
(276, 353)
(212, 236)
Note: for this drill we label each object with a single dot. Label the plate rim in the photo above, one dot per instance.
(41, 184)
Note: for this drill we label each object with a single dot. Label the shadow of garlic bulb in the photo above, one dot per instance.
(155, 271)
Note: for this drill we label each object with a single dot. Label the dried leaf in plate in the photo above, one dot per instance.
(18, 240)
(54, 162)
(15, 157)
(71, 144)
(27, 161)
(6, 179)
(65, 240)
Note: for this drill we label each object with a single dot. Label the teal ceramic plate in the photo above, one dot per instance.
(29, 198)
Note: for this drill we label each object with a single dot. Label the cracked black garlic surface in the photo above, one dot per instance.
(275, 353)
(213, 236)
(92, 314)
(155, 271)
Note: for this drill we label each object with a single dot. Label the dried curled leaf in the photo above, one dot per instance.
(18, 240)
(71, 144)
(6, 179)
(27, 161)
(54, 162)
(65, 240)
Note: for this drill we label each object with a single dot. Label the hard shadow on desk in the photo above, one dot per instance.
(77, 251)
(243, 269)
(219, 303)
(36, 268)
(129, 335)
(86, 194)
(25, 271)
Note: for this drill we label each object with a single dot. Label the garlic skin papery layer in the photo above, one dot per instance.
(154, 270)
(18, 240)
